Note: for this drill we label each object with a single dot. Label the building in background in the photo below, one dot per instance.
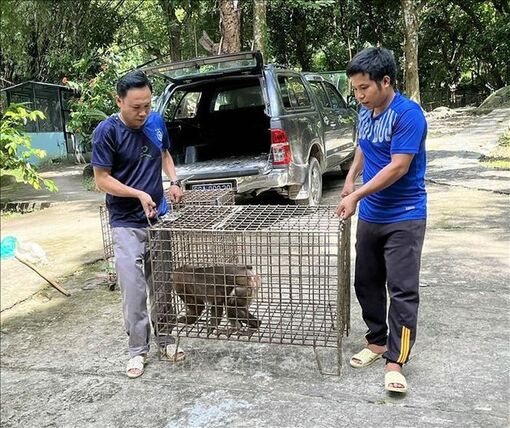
(49, 134)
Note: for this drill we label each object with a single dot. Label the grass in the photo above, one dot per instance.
(499, 158)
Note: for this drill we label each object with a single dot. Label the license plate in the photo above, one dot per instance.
(212, 186)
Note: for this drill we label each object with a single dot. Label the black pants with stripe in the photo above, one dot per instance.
(388, 262)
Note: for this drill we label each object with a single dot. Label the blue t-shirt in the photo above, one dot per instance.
(400, 129)
(134, 158)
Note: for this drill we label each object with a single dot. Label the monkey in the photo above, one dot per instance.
(230, 287)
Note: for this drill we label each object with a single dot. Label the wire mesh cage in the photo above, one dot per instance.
(203, 197)
(106, 231)
(265, 273)
(190, 197)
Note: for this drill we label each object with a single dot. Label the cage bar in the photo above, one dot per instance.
(265, 273)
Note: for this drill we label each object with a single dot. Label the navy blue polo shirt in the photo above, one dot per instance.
(134, 158)
(400, 129)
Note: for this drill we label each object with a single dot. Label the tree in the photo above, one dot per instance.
(15, 147)
(260, 26)
(411, 26)
(230, 24)
(298, 29)
(42, 40)
(173, 29)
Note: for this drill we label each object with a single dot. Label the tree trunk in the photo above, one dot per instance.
(259, 26)
(230, 25)
(173, 28)
(411, 26)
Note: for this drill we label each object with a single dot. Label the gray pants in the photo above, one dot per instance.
(388, 262)
(132, 262)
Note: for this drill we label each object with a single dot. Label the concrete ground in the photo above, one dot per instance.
(63, 359)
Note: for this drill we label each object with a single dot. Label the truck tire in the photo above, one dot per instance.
(314, 184)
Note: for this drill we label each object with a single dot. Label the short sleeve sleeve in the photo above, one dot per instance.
(103, 146)
(411, 129)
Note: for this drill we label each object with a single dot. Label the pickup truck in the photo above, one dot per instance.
(235, 123)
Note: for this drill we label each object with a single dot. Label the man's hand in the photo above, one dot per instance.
(347, 206)
(175, 193)
(148, 204)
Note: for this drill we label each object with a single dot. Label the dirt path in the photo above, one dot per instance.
(62, 359)
(68, 180)
(68, 231)
(453, 154)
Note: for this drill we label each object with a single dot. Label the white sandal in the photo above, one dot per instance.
(138, 363)
(172, 353)
(364, 358)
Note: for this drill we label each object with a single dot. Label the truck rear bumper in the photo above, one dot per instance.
(260, 182)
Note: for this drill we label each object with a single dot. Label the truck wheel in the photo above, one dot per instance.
(314, 184)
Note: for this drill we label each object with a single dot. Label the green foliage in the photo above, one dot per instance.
(16, 149)
(95, 100)
(462, 43)
(42, 40)
(297, 29)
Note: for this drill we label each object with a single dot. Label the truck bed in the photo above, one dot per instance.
(234, 166)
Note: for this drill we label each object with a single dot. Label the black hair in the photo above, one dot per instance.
(376, 62)
(133, 79)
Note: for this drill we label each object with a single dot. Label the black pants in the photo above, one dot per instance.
(389, 254)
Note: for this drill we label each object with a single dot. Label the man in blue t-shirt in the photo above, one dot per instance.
(392, 214)
(129, 151)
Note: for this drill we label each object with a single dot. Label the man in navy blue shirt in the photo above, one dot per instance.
(392, 214)
(129, 152)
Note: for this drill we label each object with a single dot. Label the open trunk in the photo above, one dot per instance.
(219, 127)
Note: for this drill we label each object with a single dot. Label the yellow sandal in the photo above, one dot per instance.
(366, 356)
(393, 377)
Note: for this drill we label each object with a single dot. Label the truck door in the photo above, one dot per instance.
(345, 120)
(330, 124)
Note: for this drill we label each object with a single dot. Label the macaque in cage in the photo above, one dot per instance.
(230, 288)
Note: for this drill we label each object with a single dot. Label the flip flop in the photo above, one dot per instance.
(366, 356)
(137, 362)
(395, 377)
(172, 353)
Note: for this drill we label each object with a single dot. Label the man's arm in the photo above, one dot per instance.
(108, 184)
(392, 172)
(354, 172)
(169, 169)
(168, 165)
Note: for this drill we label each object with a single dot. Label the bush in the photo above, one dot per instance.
(16, 149)
(95, 101)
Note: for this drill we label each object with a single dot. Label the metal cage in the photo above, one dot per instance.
(106, 231)
(190, 197)
(266, 273)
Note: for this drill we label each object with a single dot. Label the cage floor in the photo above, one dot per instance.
(287, 323)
